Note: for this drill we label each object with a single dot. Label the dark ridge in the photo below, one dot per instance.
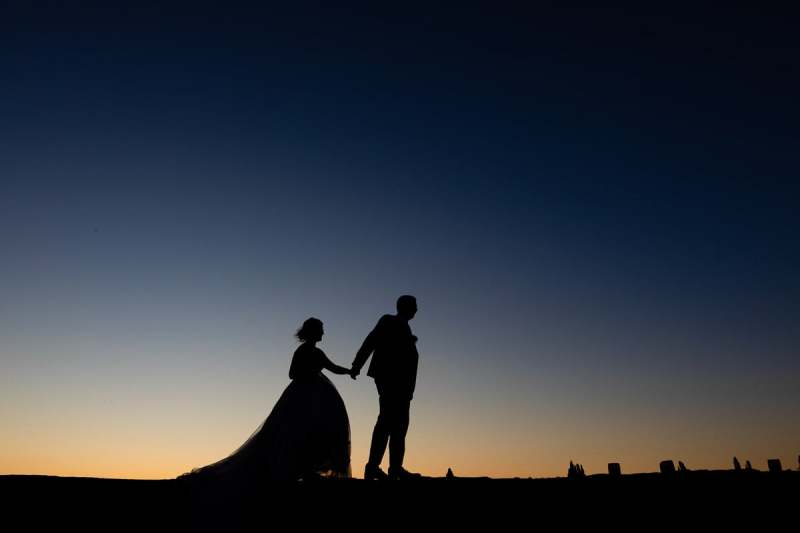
(717, 496)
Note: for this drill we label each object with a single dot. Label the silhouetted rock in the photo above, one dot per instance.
(774, 465)
(614, 469)
(736, 465)
(667, 467)
(682, 467)
(575, 471)
(747, 465)
(450, 474)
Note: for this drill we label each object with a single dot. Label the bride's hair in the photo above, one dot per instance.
(308, 328)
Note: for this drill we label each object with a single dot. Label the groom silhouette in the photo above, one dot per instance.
(394, 369)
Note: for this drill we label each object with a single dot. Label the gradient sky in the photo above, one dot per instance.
(596, 209)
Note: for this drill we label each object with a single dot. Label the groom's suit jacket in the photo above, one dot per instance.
(394, 355)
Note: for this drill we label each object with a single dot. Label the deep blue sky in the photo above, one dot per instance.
(597, 209)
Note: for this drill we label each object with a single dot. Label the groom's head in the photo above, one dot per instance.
(406, 307)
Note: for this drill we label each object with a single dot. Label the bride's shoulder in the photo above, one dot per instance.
(300, 354)
(303, 348)
(318, 352)
(306, 350)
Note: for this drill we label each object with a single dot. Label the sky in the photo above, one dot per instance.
(596, 209)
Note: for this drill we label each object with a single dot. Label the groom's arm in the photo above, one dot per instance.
(368, 346)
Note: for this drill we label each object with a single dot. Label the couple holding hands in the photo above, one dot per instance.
(307, 434)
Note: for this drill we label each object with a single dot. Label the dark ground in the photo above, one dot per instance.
(707, 498)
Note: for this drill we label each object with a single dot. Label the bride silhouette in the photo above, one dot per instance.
(307, 434)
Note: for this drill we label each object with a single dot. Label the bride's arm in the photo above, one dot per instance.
(332, 367)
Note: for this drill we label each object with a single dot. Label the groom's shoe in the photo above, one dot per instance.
(374, 472)
(402, 473)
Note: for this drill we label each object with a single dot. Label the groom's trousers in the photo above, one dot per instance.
(391, 427)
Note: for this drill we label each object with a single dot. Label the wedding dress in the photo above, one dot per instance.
(307, 434)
